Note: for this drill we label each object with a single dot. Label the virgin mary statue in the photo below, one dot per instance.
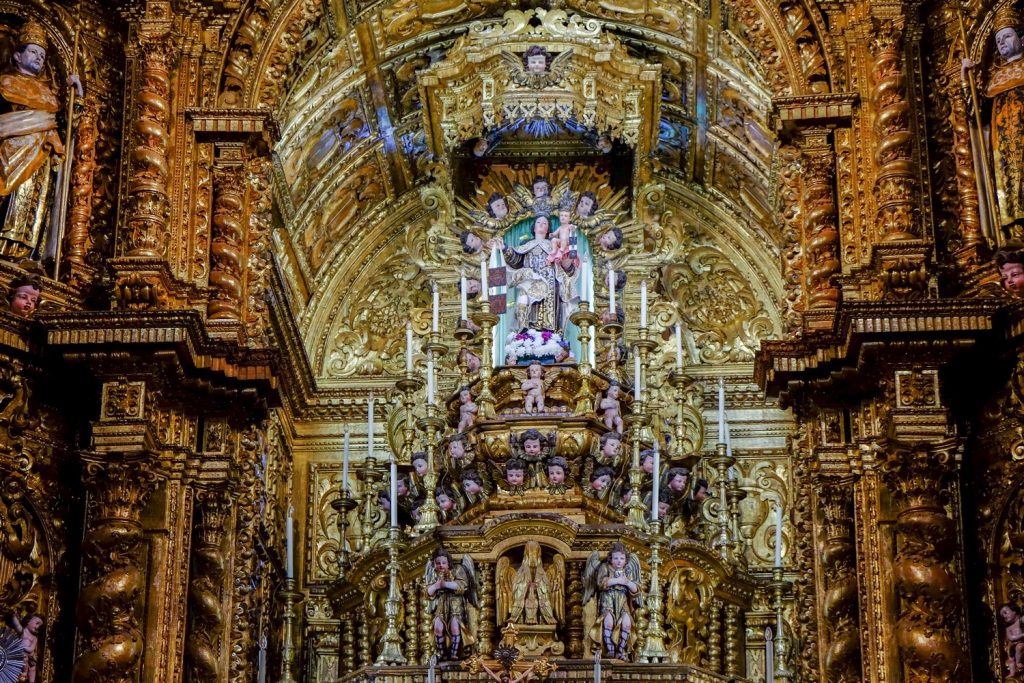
(544, 280)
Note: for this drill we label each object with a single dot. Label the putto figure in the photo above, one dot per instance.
(1010, 262)
(30, 644)
(28, 139)
(616, 582)
(533, 389)
(452, 589)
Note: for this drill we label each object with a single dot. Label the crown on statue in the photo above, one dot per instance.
(32, 33)
(1006, 17)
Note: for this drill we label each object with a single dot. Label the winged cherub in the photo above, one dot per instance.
(536, 69)
(616, 582)
(451, 588)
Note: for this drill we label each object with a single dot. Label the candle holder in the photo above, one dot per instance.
(645, 346)
(464, 335)
(391, 649)
(779, 586)
(292, 598)
(613, 330)
(433, 425)
(654, 649)
(408, 386)
(583, 318)
(486, 320)
(635, 509)
(734, 494)
(372, 479)
(680, 383)
(344, 504)
(721, 461)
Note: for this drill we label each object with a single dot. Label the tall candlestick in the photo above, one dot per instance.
(289, 543)
(679, 347)
(778, 535)
(484, 290)
(643, 304)
(408, 346)
(611, 291)
(369, 430)
(656, 482)
(463, 315)
(435, 304)
(261, 661)
(344, 459)
(394, 492)
(636, 377)
(430, 377)
(721, 410)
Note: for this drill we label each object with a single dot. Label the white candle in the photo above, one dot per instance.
(344, 459)
(590, 284)
(769, 653)
(462, 298)
(679, 348)
(261, 661)
(369, 430)
(592, 352)
(643, 304)
(723, 507)
(636, 377)
(584, 268)
(408, 346)
(778, 535)
(728, 439)
(611, 292)
(597, 667)
(435, 305)
(721, 410)
(430, 378)
(394, 492)
(289, 543)
(484, 291)
(656, 483)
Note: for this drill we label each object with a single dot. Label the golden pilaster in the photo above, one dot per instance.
(291, 597)
(391, 650)
(653, 649)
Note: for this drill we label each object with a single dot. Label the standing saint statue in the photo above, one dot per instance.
(544, 290)
(1006, 88)
(28, 141)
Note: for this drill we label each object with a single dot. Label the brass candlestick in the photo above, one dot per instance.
(680, 383)
(343, 505)
(779, 585)
(645, 346)
(612, 330)
(408, 386)
(734, 494)
(584, 318)
(464, 335)
(433, 425)
(486, 320)
(391, 650)
(371, 485)
(291, 598)
(654, 649)
(721, 462)
(635, 510)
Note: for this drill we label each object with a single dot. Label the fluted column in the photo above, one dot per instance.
(930, 598)
(896, 178)
(227, 246)
(838, 558)
(205, 587)
(113, 572)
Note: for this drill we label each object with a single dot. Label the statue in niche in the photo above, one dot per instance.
(1006, 88)
(532, 593)
(29, 139)
(1010, 619)
(452, 588)
(616, 583)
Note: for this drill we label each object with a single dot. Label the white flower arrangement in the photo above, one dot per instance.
(534, 345)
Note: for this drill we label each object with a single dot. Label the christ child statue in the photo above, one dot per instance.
(562, 241)
(30, 644)
(611, 409)
(1013, 631)
(533, 388)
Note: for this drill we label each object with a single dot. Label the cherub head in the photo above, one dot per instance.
(535, 371)
(458, 447)
(515, 472)
(532, 441)
(480, 146)
(540, 187)
(647, 461)
(664, 502)
(472, 482)
(445, 499)
(617, 555)
(611, 444)
(700, 490)
(601, 478)
(34, 624)
(535, 59)
(442, 560)
(24, 296)
(1009, 612)
(497, 206)
(610, 239)
(563, 354)
(465, 395)
(676, 479)
(614, 390)
(471, 242)
(626, 494)
(403, 485)
(471, 359)
(1010, 261)
(556, 470)
(419, 463)
(587, 204)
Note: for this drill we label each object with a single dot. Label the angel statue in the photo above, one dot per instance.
(616, 581)
(533, 593)
(451, 588)
(537, 69)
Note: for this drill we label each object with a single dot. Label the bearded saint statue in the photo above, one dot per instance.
(28, 140)
(1006, 88)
